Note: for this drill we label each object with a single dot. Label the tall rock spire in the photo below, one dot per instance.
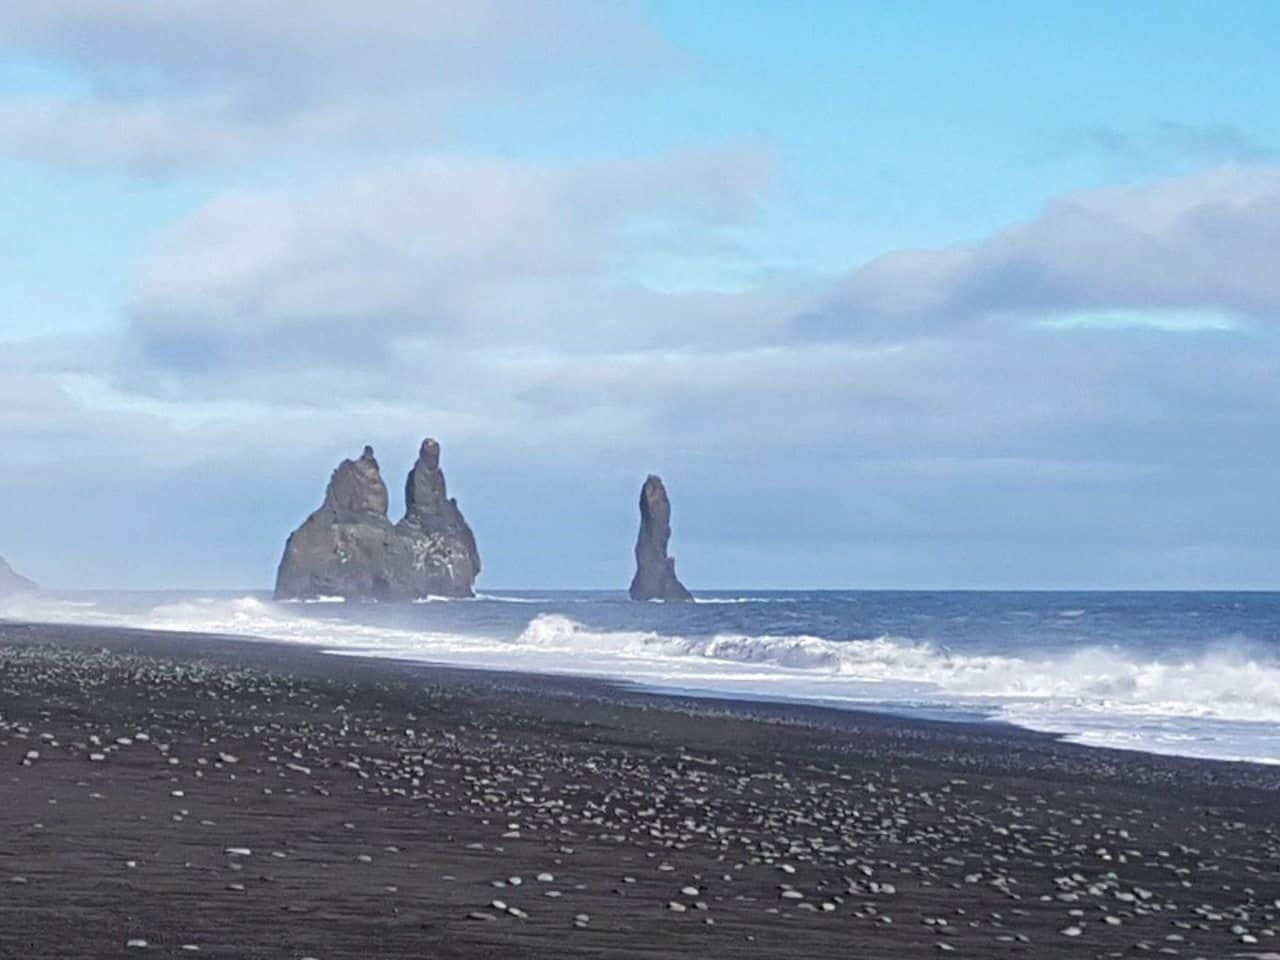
(443, 547)
(655, 577)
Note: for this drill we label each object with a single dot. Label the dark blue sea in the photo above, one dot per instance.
(1195, 674)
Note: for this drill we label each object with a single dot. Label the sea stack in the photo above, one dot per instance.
(442, 548)
(349, 548)
(655, 577)
(12, 582)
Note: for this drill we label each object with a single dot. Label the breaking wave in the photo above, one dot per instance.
(1216, 701)
(1224, 684)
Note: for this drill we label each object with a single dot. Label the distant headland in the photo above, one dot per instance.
(12, 582)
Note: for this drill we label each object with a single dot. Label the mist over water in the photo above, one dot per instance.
(1194, 674)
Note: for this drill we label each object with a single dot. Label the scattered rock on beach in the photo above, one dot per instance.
(802, 837)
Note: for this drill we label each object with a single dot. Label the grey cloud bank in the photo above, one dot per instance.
(950, 459)
(954, 417)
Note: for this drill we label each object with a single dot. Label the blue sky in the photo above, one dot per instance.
(909, 295)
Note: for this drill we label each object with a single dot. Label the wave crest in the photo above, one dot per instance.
(1226, 684)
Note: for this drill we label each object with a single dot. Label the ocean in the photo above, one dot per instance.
(1193, 674)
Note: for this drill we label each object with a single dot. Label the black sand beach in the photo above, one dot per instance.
(183, 795)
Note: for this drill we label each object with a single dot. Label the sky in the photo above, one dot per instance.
(913, 295)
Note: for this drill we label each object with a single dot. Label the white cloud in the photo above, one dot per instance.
(442, 250)
(170, 85)
(1203, 242)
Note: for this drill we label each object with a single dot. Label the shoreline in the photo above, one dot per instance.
(265, 799)
(734, 703)
(961, 715)
(741, 705)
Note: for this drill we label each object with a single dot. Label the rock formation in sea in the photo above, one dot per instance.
(445, 561)
(349, 548)
(13, 582)
(655, 577)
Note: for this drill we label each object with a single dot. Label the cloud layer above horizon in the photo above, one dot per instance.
(550, 235)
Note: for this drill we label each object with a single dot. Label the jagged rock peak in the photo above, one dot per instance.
(655, 577)
(429, 454)
(432, 518)
(13, 582)
(349, 548)
(356, 488)
(425, 490)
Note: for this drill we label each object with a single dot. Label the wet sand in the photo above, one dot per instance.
(196, 796)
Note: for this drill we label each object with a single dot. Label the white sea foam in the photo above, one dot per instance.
(1222, 685)
(1224, 702)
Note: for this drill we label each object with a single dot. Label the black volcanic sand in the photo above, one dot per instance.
(199, 796)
